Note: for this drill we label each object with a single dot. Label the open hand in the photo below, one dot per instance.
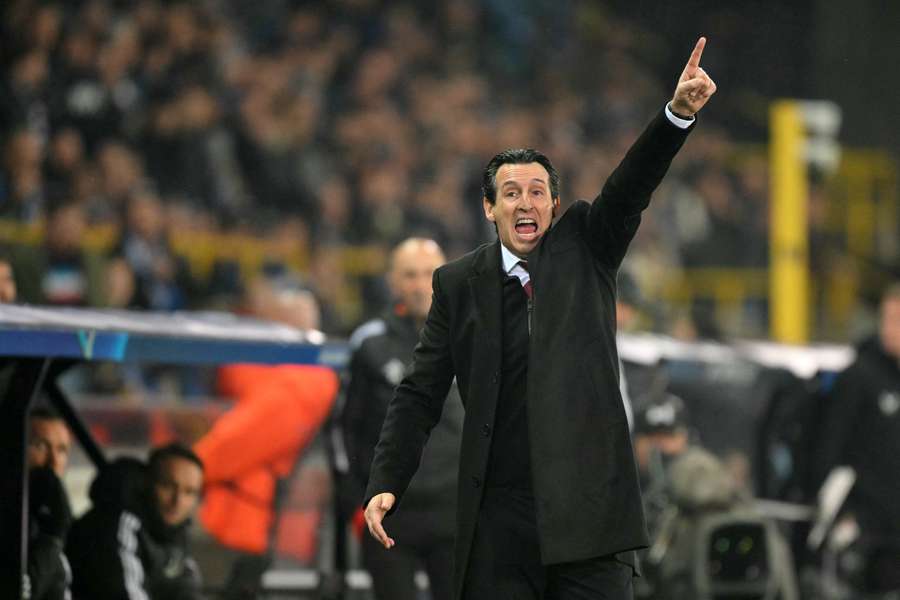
(694, 86)
(378, 506)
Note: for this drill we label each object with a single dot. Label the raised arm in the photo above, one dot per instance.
(616, 213)
(694, 87)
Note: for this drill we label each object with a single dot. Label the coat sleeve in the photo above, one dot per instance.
(47, 569)
(417, 404)
(616, 213)
(358, 398)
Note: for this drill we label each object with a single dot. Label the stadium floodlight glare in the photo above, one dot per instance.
(822, 120)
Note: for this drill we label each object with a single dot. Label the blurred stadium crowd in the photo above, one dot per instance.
(170, 151)
(166, 155)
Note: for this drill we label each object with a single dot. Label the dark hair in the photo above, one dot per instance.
(44, 412)
(516, 156)
(174, 450)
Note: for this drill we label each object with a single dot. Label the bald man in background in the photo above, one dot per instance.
(382, 352)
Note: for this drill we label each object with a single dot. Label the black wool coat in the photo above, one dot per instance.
(585, 482)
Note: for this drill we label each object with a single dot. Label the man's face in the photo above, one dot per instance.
(177, 490)
(523, 209)
(65, 228)
(889, 326)
(49, 443)
(412, 266)
(667, 443)
(7, 283)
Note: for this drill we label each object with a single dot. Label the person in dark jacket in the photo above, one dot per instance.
(549, 502)
(132, 543)
(861, 428)
(49, 514)
(382, 351)
(61, 272)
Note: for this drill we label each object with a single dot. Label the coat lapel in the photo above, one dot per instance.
(485, 284)
(483, 356)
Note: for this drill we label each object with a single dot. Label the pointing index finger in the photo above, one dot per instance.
(694, 60)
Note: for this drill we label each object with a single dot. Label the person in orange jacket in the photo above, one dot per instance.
(278, 411)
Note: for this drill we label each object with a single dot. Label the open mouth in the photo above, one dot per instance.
(526, 226)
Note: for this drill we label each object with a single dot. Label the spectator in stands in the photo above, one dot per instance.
(49, 514)
(65, 156)
(236, 107)
(162, 278)
(861, 428)
(62, 272)
(122, 173)
(382, 350)
(23, 102)
(252, 450)
(7, 280)
(79, 94)
(191, 152)
(132, 543)
(23, 195)
(724, 239)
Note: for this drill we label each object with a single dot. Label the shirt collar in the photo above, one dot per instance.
(510, 260)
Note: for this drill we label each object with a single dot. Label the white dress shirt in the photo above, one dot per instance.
(511, 265)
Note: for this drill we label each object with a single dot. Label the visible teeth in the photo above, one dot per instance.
(526, 222)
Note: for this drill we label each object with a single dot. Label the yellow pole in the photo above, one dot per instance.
(788, 242)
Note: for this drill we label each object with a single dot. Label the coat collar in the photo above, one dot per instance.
(487, 260)
(508, 259)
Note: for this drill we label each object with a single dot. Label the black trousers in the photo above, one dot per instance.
(393, 571)
(505, 562)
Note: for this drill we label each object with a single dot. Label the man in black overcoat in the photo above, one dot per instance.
(549, 504)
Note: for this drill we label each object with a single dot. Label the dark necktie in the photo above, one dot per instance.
(527, 285)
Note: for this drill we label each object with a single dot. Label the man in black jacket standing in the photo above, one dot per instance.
(549, 502)
(382, 351)
(861, 428)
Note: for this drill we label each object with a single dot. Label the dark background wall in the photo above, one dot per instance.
(843, 50)
(857, 64)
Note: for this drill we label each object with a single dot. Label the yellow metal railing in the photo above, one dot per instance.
(862, 210)
(730, 291)
(863, 203)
